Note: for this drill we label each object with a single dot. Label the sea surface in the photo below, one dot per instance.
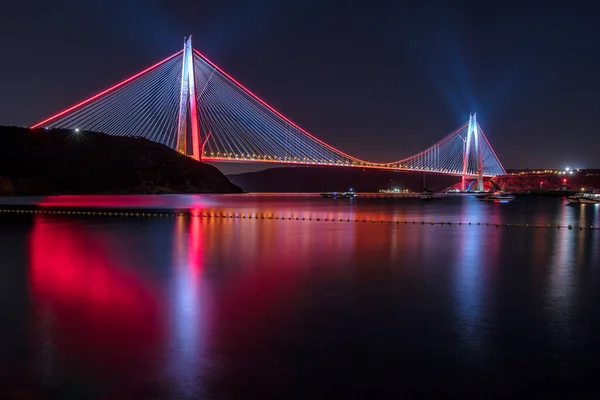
(282, 300)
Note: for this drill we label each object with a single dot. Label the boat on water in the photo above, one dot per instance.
(501, 197)
(584, 198)
(339, 195)
(426, 195)
(329, 195)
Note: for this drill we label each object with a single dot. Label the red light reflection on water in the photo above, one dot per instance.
(102, 201)
(269, 271)
(126, 201)
(88, 305)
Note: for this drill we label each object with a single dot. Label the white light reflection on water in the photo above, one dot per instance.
(560, 295)
(471, 267)
(188, 308)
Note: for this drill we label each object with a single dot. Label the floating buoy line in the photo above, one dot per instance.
(187, 214)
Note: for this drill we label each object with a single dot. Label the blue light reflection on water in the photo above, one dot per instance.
(472, 265)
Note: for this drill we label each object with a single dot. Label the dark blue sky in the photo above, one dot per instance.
(379, 79)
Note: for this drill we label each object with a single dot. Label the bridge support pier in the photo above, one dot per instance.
(480, 183)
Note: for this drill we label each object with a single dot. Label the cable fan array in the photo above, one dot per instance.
(491, 164)
(447, 156)
(244, 127)
(145, 105)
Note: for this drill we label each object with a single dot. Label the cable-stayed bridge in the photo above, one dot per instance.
(190, 104)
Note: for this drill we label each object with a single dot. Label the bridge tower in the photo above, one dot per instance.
(472, 136)
(188, 109)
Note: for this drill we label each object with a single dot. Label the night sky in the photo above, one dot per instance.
(380, 80)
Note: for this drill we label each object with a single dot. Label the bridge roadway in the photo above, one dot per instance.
(381, 167)
(402, 195)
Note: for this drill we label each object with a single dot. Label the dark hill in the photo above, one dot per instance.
(66, 162)
(317, 179)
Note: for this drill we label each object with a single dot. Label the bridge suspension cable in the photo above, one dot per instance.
(229, 122)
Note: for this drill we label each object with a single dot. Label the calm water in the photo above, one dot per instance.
(111, 308)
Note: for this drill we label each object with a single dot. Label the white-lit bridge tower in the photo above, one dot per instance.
(472, 136)
(187, 104)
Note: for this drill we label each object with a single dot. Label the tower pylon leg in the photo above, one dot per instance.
(183, 106)
(467, 152)
(479, 159)
(188, 103)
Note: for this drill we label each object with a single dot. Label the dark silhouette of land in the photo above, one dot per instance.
(319, 179)
(39, 162)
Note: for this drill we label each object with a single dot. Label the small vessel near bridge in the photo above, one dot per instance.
(584, 198)
(339, 195)
(497, 197)
(426, 195)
